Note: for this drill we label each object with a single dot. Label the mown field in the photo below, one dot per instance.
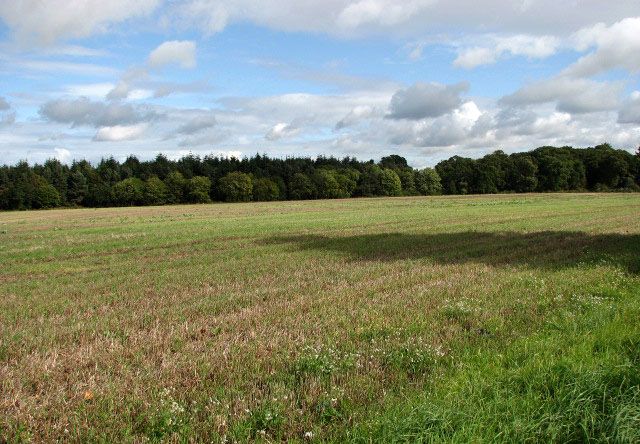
(489, 319)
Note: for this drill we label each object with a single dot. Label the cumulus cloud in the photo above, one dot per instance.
(197, 124)
(412, 17)
(62, 154)
(357, 114)
(446, 130)
(182, 53)
(383, 13)
(551, 125)
(128, 82)
(570, 95)
(84, 112)
(423, 100)
(45, 22)
(91, 90)
(7, 116)
(118, 133)
(138, 79)
(630, 111)
(141, 86)
(302, 108)
(616, 46)
(473, 57)
(281, 130)
(534, 47)
(164, 89)
(416, 50)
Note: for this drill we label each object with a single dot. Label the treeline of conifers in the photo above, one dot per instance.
(199, 180)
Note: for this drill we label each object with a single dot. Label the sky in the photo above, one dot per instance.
(426, 79)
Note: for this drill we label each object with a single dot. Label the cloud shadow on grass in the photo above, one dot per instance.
(543, 249)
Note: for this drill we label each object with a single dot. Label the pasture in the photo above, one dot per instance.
(470, 318)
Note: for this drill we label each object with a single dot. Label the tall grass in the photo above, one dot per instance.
(576, 380)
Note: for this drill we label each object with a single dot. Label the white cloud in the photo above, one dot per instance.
(454, 127)
(197, 124)
(182, 53)
(7, 116)
(474, 57)
(128, 82)
(534, 47)
(280, 130)
(630, 111)
(616, 46)
(307, 123)
(119, 133)
(137, 83)
(90, 90)
(74, 51)
(416, 51)
(84, 112)
(384, 13)
(554, 124)
(58, 67)
(426, 100)
(63, 155)
(411, 17)
(164, 89)
(570, 95)
(357, 114)
(140, 94)
(327, 75)
(44, 22)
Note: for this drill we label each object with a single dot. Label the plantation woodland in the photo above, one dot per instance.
(192, 179)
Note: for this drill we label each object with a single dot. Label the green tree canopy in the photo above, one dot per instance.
(43, 194)
(236, 187)
(176, 185)
(428, 182)
(265, 190)
(129, 191)
(390, 184)
(155, 192)
(197, 189)
(301, 187)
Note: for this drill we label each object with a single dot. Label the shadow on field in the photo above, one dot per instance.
(545, 249)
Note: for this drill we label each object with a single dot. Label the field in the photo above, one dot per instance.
(497, 318)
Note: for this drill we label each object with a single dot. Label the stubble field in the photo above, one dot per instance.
(496, 318)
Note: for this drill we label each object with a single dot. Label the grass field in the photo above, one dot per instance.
(498, 318)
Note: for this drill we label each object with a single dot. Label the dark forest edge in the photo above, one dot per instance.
(192, 179)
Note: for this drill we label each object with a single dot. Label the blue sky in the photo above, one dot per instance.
(426, 79)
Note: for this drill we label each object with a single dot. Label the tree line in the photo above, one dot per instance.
(193, 179)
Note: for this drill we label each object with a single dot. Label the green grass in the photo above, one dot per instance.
(460, 319)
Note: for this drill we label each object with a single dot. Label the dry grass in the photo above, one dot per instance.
(268, 321)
